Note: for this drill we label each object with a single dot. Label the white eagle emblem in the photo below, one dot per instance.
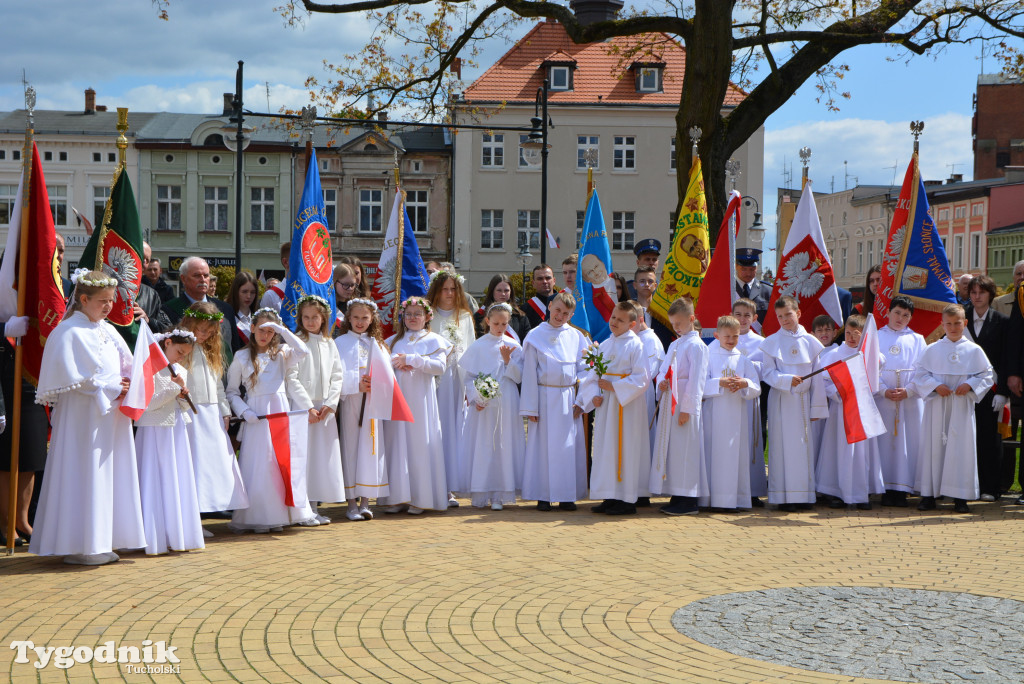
(386, 289)
(894, 249)
(121, 266)
(800, 276)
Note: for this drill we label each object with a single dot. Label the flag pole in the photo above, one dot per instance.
(19, 350)
(122, 165)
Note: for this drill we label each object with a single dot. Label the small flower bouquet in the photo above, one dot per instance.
(486, 386)
(451, 332)
(595, 360)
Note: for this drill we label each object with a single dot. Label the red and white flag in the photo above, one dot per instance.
(552, 241)
(289, 433)
(149, 360)
(718, 290)
(869, 349)
(385, 400)
(861, 418)
(805, 271)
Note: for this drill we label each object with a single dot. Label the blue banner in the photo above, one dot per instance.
(594, 289)
(415, 280)
(310, 265)
(925, 273)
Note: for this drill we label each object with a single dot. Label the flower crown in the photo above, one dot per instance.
(79, 277)
(451, 274)
(199, 315)
(160, 337)
(316, 299)
(500, 306)
(267, 311)
(369, 303)
(415, 301)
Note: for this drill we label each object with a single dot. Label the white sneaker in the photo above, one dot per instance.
(453, 502)
(276, 529)
(496, 506)
(413, 510)
(353, 514)
(207, 533)
(90, 558)
(397, 508)
(311, 522)
(323, 519)
(366, 513)
(987, 497)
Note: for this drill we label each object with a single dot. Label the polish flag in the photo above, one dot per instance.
(718, 291)
(385, 400)
(552, 241)
(860, 415)
(869, 349)
(289, 434)
(673, 390)
(149, 360)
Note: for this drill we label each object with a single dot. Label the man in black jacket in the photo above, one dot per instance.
(194, 275)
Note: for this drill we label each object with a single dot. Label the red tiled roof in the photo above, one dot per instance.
(601, 73)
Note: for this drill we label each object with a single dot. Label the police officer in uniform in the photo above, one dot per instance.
(747, 284)
(648, 252)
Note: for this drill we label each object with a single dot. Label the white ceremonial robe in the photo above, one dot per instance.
(727, 428)
(851, 472)
(170, 506)
(679, 468)
(750, 346)
(320, 373)
(621, 439)
(415, 451)
(219, 485)
(900, 445)
(818, 426)
(786, 355)
(364, 463)
(494, 439)
(655, 355)
(556, 456)
(89, 502)
(948, 463)
(276, 383)
(451, 394)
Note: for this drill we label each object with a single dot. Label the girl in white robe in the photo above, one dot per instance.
(219, 485)
(266, 368)
(453, 321)
(731, 386)
(494, 436)
(415, 451)
(901, 409)
(320, 373)
(170, 505)
(89, 504)
(951, 376)
(849, 473)
(363, 459)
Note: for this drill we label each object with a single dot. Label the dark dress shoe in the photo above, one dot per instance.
(566, 506)
(621, 508)
(543, 505)
(927, 503)
(866, 506)
(960, 506)
(756, 502)
(836, 502)
(787, 507)
(602, 507)
(643, 502)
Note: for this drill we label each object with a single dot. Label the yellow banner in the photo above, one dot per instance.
(687, 261)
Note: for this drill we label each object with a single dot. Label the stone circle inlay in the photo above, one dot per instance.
(898, 634)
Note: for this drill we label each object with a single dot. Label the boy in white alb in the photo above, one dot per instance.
(901, 409)
(655, 354)
(789, 355)
(679, 469)
(621, 438)
(731, 386)
(823, 328)
(745, 311)
(951, 376)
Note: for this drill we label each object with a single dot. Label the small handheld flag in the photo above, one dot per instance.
(149, 360)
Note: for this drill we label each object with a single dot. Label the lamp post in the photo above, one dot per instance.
(524, 257)
(538, 143)
(236, 139)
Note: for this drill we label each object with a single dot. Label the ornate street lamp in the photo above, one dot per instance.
(536, 147)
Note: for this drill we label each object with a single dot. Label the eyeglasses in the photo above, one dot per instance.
(414, 314)
(347, 286)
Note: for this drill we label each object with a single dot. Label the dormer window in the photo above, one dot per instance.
(560, 77)
(648, 77)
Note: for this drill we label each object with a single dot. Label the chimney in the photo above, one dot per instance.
(955, 178)
(382, 119)
(229, 104)
(592, 11)
(90, 101)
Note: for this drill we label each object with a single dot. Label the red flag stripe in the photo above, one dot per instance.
(840, 374)
(280, 437)
(399, 407)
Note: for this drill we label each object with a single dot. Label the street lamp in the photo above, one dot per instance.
(756, 230)
(537, 146)
(524, 257)
(236, 138)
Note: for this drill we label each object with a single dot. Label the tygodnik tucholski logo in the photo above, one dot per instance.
(147, 658)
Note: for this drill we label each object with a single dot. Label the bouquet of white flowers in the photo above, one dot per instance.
(486, 386)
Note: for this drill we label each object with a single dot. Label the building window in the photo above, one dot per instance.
(168, 207)
(960, 212)
(97, 156)
(261, 209)
(7, 195)
(842, 261)
(672, 155)
(100, 195)
(560, 78)
(871, 253)
(47, 156)
(416, 205)
(528, 229)
(111, 157)
(623, 223)
(3, 155)
(215, 208)
(62, 156)
(1002, 159)
(16, 155)
(978, 209)
(58, 203)
(371, 207)
(523, 137)
(860, 257)
(976, 249)
(584, 143)
(624, 152)
(492, 228)
(493, 156)
(648, 80)
(580, 218)
(331, 207)
(958, 251)
(943, 214)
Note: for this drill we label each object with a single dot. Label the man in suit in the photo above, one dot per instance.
(988, 328)
(536, 309)
(1004, 303)
(648, 253)
(194, 275)
(747, 284)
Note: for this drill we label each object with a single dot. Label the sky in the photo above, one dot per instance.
(132, 58)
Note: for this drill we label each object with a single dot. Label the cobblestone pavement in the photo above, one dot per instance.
(511, 596)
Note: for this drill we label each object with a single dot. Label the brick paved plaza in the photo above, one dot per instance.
(482, 596)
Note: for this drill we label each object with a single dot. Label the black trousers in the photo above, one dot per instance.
(989, 445)
(1010, 456)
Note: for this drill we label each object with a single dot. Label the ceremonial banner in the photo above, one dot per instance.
(594, 289)
(717, 292)
(385, 400)
(310, 265)
(688, 260)
(805, 271)
(914, 263)
(118, 242)
(400, 272)
(861, 418)
(44, 293)
(149, 360)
